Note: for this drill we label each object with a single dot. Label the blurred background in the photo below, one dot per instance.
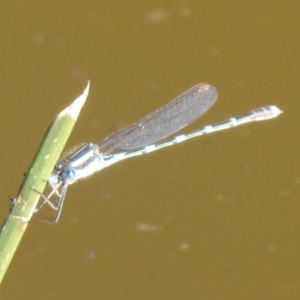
(213, 218)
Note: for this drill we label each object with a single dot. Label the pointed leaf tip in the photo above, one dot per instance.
(77, 104)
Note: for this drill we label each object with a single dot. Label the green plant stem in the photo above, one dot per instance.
(24, 204)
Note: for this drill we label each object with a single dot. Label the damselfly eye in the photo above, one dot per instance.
(68, 176)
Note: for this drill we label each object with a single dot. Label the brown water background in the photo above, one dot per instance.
(214, 218)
